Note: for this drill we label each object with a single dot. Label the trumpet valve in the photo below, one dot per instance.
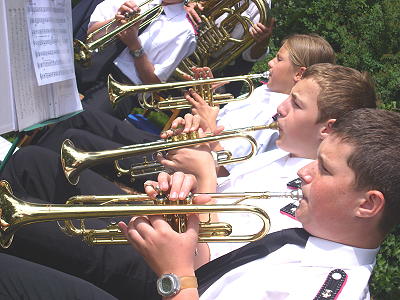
(185, 136)
(219, 229)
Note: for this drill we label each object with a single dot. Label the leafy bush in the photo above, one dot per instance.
(364, 33)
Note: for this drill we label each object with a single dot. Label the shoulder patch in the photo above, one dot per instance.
(294, 184)
(332, 286)
(289, 210)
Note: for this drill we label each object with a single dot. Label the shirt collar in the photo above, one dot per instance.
(173, 10)
(340, 256)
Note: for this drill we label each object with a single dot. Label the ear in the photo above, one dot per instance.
(326, 128)
(299, 74)
(371, 204)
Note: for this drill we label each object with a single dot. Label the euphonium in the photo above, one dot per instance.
(74, 160)
(109, 33)
(218, 43)
(117, 90)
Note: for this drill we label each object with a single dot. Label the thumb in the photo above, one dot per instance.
(219, 129)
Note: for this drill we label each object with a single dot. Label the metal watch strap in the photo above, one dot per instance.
(188, 282)
(136, 53)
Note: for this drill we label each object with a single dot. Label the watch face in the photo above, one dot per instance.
(168, 285)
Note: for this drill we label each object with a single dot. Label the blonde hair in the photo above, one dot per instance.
(342, 89)
(306, 50)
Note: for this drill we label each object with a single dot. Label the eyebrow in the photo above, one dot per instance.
(323, 163)
(295, 96)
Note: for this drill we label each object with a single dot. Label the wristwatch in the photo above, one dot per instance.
(169, 285)
(136, 53)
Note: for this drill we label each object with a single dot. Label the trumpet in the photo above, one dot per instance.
(16, 213)
(83, 51)
(117, 90)
(74, 160)
(152, 167)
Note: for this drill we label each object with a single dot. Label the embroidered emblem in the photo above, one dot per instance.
(332, 286)
(294, 184)
(289, 210)
(326, 293)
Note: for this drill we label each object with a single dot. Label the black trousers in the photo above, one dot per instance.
(90, 142)
(35, 173)
(93, 130)
(26, 280)
(98, 123)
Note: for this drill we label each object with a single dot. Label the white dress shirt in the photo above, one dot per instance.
(296, 273)
(258, 109)
(166, 41)
(269, 171)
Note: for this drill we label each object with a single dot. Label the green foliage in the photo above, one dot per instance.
(385, 281)
(157, 117)
(364, 33)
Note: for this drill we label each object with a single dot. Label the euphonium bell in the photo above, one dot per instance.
(150, 99)
(109, 33)
(74, 160)
(16, 213)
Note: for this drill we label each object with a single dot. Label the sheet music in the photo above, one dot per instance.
(34, 103)
(8, 121)
(50, 40)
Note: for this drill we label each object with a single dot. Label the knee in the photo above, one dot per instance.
(30, 156)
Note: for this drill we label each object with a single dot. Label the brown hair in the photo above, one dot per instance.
(341, 89)
(375, 161)
(306, 50)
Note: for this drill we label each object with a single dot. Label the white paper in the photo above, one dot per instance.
(34, 103)
(4, 147)
(50, 39)
(8, 121)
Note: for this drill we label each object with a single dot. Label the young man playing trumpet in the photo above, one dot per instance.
(350, 204)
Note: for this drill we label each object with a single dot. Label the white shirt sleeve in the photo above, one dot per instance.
(187, 45)
(105, 10)
(254, 15)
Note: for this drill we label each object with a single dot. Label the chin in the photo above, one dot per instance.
(281, 144)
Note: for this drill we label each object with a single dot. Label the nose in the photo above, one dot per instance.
(283, 108)
(271, 63)
(307, 172)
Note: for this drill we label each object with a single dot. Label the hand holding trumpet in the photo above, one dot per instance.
(154, 238)
(129, 36)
